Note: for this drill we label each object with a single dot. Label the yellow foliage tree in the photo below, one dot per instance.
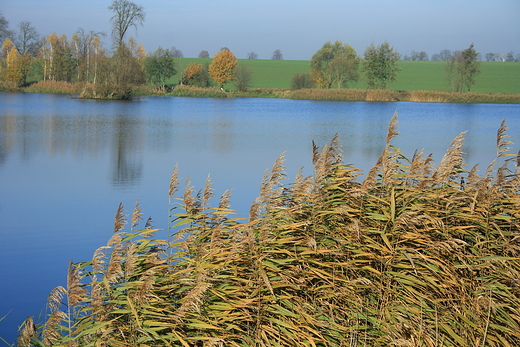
(12, 66)
(190, 71)
(222, 69)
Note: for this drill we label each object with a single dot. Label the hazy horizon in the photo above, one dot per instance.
(297, 30)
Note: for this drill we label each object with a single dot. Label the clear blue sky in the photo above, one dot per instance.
(297, 28)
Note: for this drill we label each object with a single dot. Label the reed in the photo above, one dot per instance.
(415, 255)
(190, 91)
(62, 87)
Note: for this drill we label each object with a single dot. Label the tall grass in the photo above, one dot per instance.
(412, 255)
(55, 87)
(392, 95)
(184, 90)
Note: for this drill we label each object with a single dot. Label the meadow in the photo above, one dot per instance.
(415, 75)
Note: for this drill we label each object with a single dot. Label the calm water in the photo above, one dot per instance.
(65, 164)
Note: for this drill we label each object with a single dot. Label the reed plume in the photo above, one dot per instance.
(137, 215)
(120, 218)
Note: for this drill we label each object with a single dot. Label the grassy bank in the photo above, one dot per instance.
(413, 255)
(415, 75)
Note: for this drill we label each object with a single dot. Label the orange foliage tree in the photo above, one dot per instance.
(222, 69)
(190, 72)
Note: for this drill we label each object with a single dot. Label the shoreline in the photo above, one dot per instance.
(368, 95)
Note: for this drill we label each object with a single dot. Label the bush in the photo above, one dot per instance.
(301, 81)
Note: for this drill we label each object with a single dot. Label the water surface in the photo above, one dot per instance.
(65, 164)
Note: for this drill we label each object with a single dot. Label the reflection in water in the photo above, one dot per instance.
(128, 142)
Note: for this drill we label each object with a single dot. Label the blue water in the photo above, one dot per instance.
(65, 164)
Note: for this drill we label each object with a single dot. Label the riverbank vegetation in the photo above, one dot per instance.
(411, 255)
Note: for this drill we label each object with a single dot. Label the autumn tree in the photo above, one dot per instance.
(11, 69)
(159, 67)
(222, 69)
(84, 49)
(126, 14)
(462, 69)
(190, 72)
(57, 58)
(335, 64)
(380, 65)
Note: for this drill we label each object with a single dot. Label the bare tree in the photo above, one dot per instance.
(27, 39)
(4, 28)
(176, 53)
(203, 54)
(126, 14)
(277, 55)
(252, 55)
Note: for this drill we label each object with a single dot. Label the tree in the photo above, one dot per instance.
(57, 58)
(277, 55)
(510, 57)
(335, 64)
(159, 67)
(252, 55)
(191, 70)
(418, 56)
(176, 53)
(462, 69)
(4, 28)
(222, 69)
(445, 55)
(380, 65)
(126, 14)
(27, 39)
(490, 56)
(203, 54)
(243, 76)
(84, 50)
(11, 69)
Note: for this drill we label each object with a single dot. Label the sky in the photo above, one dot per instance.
(297, 28)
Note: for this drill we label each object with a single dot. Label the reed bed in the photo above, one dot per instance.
(412, 255)
(9, 86)
(443, 96)
(55, 87)
(190, 91)
(392, 95)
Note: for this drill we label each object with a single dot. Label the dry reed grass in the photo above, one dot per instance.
(413, 96)
(415, 255)
(55, 87)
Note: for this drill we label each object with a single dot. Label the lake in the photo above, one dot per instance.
(66, 164)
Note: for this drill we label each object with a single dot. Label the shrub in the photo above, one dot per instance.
(300, 81)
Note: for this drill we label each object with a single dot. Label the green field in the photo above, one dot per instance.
(415, 75)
